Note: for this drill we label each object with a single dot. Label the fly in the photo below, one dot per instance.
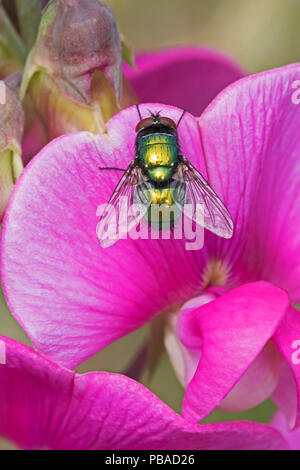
(160, 175)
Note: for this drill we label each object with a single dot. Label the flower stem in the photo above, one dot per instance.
(29, 16)
(136, 368)
(11, 36)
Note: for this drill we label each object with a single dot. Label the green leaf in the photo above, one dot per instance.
(156, 347)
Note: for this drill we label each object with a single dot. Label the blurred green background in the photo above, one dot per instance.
(260, 34)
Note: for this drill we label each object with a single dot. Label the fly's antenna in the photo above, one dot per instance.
(181, 117)
(139, 112)
(154, 114)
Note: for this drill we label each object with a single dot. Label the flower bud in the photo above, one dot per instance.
(74, 72)
(11, 130)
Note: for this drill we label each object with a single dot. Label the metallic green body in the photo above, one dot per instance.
(158, 153)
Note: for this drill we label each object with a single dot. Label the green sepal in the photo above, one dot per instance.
(127, 52)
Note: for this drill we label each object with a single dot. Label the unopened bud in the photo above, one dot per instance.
(74, 72)
(11, 131)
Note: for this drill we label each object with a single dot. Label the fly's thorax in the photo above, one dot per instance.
(159, 155)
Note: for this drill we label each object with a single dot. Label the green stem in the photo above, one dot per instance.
(136, 367)
(29, 16)
(10, 36)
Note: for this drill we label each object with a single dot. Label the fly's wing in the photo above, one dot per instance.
(125, 209)
(205, 207)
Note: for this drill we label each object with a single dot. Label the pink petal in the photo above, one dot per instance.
(175, 349)
(233, 330)
(43, 406)
(292, 437)
(187, 77)
(287, 339)
(71, 296)
(251, 147)
(185, 351)
(257, 384)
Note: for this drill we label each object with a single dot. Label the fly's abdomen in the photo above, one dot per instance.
(163, 210)
(158, 153)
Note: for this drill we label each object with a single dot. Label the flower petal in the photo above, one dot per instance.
(251, 147)
(185, 351)
(292, 437)
(233, 330)
(257, 384)
(71, 296)
(287, 339)
(45, 406)
(187, 77)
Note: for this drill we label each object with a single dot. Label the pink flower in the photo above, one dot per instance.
(44, 406)
(73, 298)
(186, 77)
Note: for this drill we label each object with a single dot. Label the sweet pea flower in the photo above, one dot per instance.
(45, 406)
(234, 335)
(60, 96)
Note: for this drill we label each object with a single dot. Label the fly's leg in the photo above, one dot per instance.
(112, 168)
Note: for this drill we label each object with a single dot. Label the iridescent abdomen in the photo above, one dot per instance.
(158, 154)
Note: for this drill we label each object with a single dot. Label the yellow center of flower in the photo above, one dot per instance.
(216, 273)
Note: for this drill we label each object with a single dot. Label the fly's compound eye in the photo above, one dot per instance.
(144, 123)
(168, 122)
